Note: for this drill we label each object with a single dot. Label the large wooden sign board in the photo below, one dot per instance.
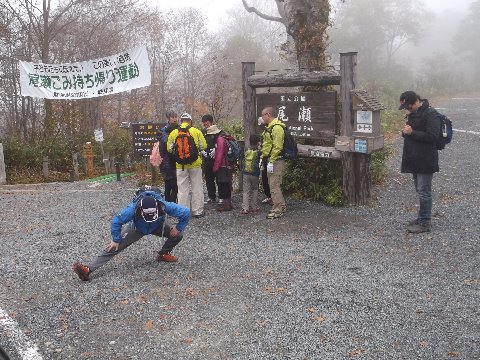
(144, 135)
(307, 115)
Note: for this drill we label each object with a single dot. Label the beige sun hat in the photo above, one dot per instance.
(212, 130)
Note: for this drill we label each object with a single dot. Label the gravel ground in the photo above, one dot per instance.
(321, 283)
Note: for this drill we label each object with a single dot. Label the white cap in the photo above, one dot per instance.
(186, 116)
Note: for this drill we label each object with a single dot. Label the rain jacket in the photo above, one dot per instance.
(128, 215)
(199, 141)
(272, 140)
(221, 149)
(420, 155)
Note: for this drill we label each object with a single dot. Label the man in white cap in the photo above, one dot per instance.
(186, 143)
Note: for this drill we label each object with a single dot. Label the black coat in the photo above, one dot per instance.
(420, 154)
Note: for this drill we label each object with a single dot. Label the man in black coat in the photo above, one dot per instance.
(420, 154)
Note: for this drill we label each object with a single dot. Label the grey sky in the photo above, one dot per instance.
(216, 9)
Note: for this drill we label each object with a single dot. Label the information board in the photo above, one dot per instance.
(144, 135)
(307, 115)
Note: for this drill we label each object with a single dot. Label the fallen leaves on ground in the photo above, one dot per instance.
(149, 324)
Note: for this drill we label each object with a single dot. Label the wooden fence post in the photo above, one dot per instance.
(249, 111)
(3, 173)
(45, 167)
(76, 176)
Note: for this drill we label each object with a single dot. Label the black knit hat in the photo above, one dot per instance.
(149, 208)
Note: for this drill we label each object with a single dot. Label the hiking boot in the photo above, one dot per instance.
(167, 257)
(82, 271)
(412, 222)
(226, 205)
(275, 215)
(419, 228)
(267, 201)
(244, 212)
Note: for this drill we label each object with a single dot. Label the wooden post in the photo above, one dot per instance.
(88, 155)
(355, 166)
(45, 167)
(76, 176)
(249, 111)
(105, 159)
(3, 173)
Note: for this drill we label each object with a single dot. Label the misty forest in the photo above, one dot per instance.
(196, 65)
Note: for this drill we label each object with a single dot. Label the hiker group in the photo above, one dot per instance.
(188, 155)
(184, 155)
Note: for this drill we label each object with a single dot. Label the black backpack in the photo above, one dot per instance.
(290, 149)
(185, 150)
(446, 134)
(446, 130)
(233, 151)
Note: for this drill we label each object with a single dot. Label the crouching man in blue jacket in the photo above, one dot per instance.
(143, 216)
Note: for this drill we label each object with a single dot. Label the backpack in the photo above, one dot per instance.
(185, 150)
(233, 152)
(155, 157)
(290, 149)
(251, 163)
(446, 132)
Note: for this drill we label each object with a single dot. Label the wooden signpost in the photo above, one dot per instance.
(88, 156)
(313, 116)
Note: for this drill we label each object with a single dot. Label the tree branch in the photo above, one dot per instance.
(251, 9)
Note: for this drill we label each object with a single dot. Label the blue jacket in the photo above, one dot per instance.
(128, 215)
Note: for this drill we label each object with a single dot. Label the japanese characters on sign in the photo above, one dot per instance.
(361, 146)
(364, 121)
(307, 115)
(144, 136)
(110, 75)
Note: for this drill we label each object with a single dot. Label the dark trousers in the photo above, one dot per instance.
(171, 190)
(266, 186)
(224, 190)
(130, 236)
(210, 180)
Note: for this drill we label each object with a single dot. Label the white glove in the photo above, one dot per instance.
(203, 153)
(212, 153)
(270, 167)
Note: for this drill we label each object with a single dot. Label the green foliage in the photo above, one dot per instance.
(117, 141)
(24, 160)
(314, 179)
(233, 127)
(379, 164)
